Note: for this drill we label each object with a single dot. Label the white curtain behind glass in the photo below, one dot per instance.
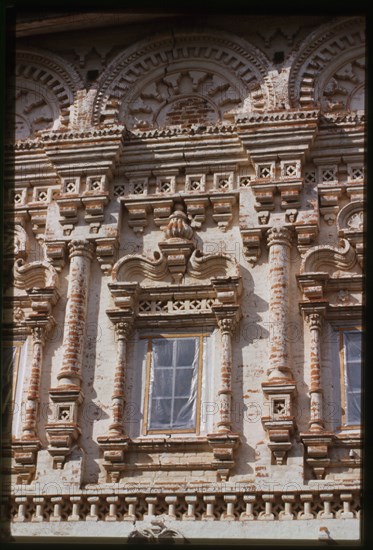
(352, 353)
(173, 383)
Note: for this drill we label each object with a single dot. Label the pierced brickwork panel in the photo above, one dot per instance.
(310, 177)
(138, 186)
(119, 191)
(194, 183)
(355, 172)
(328, 174)
(165, 185)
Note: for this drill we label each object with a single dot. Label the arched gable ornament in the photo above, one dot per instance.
(329, 69)
(329, 259)
(44, 93)
(203, 75)
(351, 226)
(16, 243)
(34, 275)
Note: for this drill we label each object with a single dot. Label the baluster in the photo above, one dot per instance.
(75, 511)
(21, 514)
(248, 515)
(38, 516)
(56, 501)
(346, 498)
(326, 513)
(306, 514)
(113, 502)
(131, 515)
(93, 513)
(191, 501)
(171, 501)
(267, 514)
(210, 501)
(151, 502)
(287, 513)
(229, 514)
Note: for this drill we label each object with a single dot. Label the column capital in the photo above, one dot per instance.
(279, 235)
(81, 248)
(123, 329)
(38, 334)
(314, 320)
(227, 325)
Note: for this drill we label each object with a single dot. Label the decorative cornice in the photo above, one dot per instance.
(279, 117)
(171, 131)
(94, 133)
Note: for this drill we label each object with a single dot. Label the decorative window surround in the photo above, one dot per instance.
(318, 289)
(40, 281)
(140, 305)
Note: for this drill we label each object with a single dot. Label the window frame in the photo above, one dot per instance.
(342, 364)
(150, 338)
(10, 398)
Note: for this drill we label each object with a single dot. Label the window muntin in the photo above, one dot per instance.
(173, 389)
(351, 377)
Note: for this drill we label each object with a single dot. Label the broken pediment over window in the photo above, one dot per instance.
(178, 261)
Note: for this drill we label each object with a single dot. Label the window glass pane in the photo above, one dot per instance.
(160, 413)
(173, 383)
(353, 377)
(352, 346)
(163, 382)
(183, 414)
(185, 352)
(162, 352)
(183, 382)
(354, 408)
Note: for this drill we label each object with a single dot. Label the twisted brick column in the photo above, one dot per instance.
(123, 331)
(279, 240)
(316, 422)
(81, 254)
(33, 396)
(226, 326)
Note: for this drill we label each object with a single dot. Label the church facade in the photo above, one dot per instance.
(183, 319)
